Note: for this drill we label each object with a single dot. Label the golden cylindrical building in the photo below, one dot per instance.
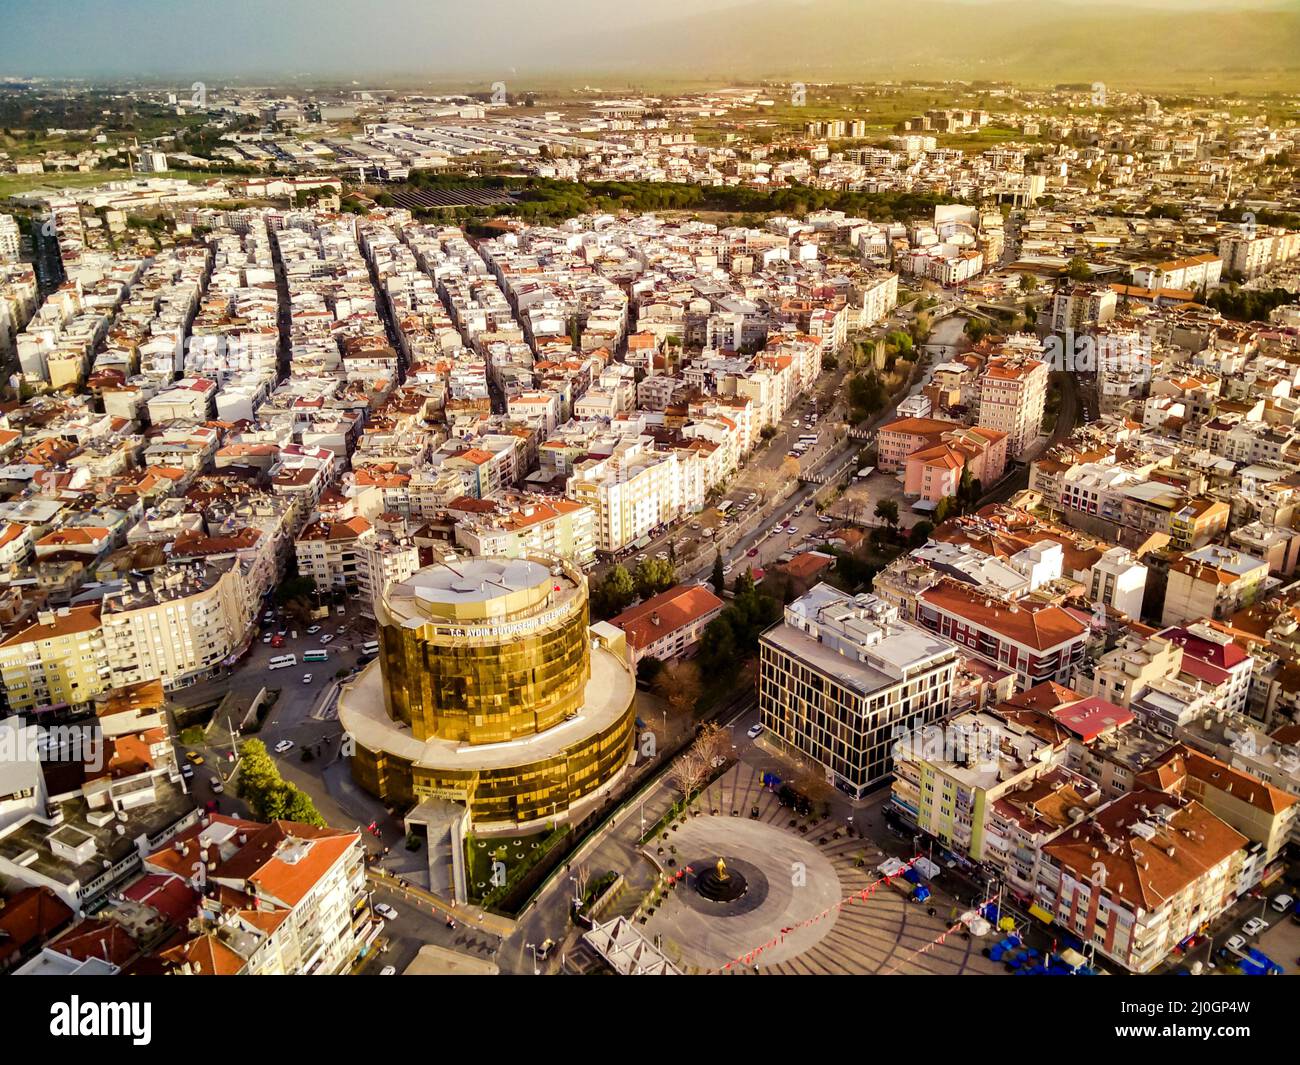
(490, 689)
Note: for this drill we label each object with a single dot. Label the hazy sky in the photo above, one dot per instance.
(195, 40)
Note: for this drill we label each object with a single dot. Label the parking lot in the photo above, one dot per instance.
(301, 713)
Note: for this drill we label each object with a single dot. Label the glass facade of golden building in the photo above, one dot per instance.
(481, 688)
(490, 689)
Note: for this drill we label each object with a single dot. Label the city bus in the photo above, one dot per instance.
(725, 506)
(371, 648)
(316, 656)
(283, 661)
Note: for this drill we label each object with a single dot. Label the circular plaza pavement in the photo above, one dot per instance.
(790, 882)
(885, 934)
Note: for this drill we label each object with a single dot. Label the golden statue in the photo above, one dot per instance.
(722, 870)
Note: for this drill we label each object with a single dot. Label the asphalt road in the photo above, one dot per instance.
(301, 714)
(414, 926)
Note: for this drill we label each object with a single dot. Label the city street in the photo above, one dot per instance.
(416, 924)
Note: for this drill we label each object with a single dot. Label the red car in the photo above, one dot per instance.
(277, 641)
(752, 552)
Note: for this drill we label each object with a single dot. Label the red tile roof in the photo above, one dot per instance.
(667, 612)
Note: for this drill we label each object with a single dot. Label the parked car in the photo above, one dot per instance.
(1255, 926)
(385, 911)
(754, 731)
(388, 970)
(1235, 942)
(267, 638)
(327, 637)
(1282, 903)
(194, 758)
(313, 630)
(217, 786)
(283, 745)
(187, 771)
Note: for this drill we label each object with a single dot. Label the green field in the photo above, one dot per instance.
(75, 179)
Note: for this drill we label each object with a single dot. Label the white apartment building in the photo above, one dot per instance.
(1189, 273)
(10, 239)
(293, 899)
(636, 490)
(1251, 254)
(177, 625)
(527, 525)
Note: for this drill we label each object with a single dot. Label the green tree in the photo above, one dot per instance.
(1077, 269)
(269, 795)
(964, 486)
(866, 395)
(652, 576)
(920, 533)
(620, 586)
(887, 511)
(648, 669)
(744, 584)
(718, 578)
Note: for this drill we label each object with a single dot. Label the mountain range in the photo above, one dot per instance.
(825, 40)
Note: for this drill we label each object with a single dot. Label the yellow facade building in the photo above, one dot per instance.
(491, 690)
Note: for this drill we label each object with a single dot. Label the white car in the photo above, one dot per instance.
(283, 745)
(313, 630)
(327, 637)
(306, 678)
(385, 911)
(754, 731)
(1235, 942)
(217, 786)
(388, 970)
(1254, 926)
(267, 638)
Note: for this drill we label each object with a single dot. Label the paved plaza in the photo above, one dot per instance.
(801, 874)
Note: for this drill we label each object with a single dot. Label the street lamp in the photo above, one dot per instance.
(533, 948)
